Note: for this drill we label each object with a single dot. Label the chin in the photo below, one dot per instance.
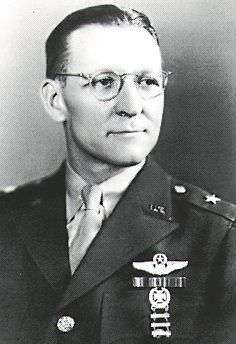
(128, 156)
(128, 161)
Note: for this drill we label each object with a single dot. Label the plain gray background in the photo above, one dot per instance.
(198, 137)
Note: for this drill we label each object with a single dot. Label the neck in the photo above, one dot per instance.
(92, 170)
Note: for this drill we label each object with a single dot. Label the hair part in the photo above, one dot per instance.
(57, 52)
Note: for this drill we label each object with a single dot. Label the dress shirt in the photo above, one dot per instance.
(112, 190)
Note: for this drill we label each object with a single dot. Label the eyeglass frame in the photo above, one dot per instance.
(89, 77)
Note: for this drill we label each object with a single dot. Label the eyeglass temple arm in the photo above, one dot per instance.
(166, 74)
(81, 75)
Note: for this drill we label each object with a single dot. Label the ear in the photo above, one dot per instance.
(53, 101)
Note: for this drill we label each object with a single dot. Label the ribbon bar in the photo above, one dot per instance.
(152, 282)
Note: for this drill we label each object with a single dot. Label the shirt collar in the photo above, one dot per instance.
(74, 186)
(112, 188)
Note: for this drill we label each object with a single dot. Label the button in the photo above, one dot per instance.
(65, 323)
(180, 189)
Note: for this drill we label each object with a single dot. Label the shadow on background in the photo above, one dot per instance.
(197, 142)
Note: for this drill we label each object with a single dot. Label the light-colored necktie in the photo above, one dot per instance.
(89, 225)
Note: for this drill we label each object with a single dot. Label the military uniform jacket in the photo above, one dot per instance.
(107, 301)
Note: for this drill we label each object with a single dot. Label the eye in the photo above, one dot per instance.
(103, 81)
(149, 81)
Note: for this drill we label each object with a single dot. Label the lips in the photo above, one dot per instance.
(126, 131)
(129, 132)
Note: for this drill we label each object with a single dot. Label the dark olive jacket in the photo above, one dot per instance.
(156, 215)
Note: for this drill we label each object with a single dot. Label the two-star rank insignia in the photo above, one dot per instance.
(159, 296)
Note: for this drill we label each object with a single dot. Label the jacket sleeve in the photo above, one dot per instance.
(220, 319)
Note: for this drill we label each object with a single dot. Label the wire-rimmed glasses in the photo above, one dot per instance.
(107, 85)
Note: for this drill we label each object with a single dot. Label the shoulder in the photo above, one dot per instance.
(206, 202)
(20, 195)
(180, 199)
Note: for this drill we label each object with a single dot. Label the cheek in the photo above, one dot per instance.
(89, 120)
(78, 107)
(154, 112)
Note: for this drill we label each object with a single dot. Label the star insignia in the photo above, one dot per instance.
(212, 199)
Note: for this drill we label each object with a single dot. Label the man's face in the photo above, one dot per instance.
(97, 129)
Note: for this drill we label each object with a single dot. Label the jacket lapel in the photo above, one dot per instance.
(135, 225)
(44, 234)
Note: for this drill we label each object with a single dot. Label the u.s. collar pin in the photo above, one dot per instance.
(158, 209)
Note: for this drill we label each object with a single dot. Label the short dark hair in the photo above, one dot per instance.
(57, 46)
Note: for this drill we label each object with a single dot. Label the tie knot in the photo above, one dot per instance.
(92, 197)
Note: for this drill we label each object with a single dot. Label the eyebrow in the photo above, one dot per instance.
(148, 71)
(140, 72)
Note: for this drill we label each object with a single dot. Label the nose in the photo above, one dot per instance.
(129, 102)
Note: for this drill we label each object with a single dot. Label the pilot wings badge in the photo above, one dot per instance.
(160, 265)
(159, 295)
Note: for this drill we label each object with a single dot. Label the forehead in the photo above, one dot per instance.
(119, 48)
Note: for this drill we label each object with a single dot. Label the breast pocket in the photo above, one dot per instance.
(125, 317)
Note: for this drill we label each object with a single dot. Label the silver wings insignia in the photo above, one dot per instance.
(160, 265)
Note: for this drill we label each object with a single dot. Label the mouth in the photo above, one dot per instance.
(127, 132)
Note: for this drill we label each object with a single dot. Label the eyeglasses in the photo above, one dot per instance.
(107, 85)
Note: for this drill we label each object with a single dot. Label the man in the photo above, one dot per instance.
(111, 249)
